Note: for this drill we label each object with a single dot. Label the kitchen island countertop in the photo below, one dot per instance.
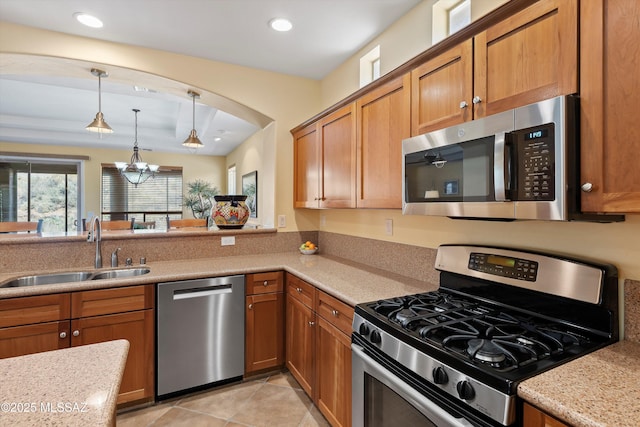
(601, 389)
(76, 386)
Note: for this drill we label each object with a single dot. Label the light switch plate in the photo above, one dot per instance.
(282, 221)
(388, 225)
(228, 240)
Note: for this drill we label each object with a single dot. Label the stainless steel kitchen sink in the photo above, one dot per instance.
(74, 276)
(125, 272)
(48, 279)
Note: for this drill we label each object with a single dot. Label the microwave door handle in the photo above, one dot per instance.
(509, 163)
(499, 168)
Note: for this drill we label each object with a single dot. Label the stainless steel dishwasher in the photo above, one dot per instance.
(200, 328)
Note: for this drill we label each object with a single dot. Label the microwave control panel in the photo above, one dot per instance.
(536, 163)
(514, 268)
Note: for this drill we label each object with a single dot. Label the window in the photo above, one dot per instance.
(370, 66)
(231, 180)
(449, 16)
(41, 188)
(150, 201)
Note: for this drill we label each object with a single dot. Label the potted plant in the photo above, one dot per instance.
(199, 197)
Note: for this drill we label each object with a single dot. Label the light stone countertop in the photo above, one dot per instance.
(76, 386)
(601, 389)
(352, 283)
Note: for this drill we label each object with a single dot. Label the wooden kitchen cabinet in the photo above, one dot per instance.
(609, 87)
(442, 89)
(300, 332)
(49, 322)
(383, 121)
(325, 162)
(264, 326)
(533, 417)
(529, 57)
(306, 167)
(333, 355)
(34, 324)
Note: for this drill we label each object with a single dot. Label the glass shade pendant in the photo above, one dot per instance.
(193, 141)
(98, 124)
(136, 171)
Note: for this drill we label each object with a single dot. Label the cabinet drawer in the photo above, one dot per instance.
(36, 309)
(335, 312)
(264, 283)
(301, 290)
(110, 301)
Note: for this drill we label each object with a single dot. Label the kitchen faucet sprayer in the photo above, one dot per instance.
(95, 235)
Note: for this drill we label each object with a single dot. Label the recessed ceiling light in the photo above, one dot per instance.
(280, 24)
(88, 20)
(217, 138)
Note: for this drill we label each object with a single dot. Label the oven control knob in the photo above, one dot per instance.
(440, 375)
(465, 390)
(364, 329)
(375, 337)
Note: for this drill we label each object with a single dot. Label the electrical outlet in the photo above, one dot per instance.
(282, 221)
(323, 220)
(388, 225)
(228, 240)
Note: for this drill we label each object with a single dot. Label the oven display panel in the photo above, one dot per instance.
(515, 268)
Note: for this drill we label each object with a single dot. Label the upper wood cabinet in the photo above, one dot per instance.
(337, 134)
(441, 90)
(383, 120)
(609, 88)
(325, 162)
(529, 57)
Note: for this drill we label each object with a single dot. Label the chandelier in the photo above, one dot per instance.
(136, 171)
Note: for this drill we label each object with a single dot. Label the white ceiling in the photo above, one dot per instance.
(325, 33)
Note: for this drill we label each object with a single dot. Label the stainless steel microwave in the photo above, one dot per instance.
(518, 164)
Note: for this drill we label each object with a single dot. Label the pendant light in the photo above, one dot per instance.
(192, 141)
(136, 171)
(98, 124)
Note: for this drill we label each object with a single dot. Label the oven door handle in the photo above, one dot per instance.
(428, 408)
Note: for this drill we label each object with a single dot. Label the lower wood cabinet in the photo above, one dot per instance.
(264, 323)
(50, 322)
(533, 417)
(318, 355)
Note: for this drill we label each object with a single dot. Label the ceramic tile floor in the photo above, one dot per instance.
(274, 401)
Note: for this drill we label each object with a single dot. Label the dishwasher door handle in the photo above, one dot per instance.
(201, 292)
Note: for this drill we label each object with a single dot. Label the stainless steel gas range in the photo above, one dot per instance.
(454, 357)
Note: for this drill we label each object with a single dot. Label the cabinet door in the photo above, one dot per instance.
(29, 339)
(306, 168)
(441, 90)
(135, 327)
(264, 332)
(609, 87)
(300, 343)
(533, 417)
(384, 120)
(333, 385)
(529, 57)
(337, 133)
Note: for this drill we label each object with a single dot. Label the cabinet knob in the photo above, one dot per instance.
(299, 290)
(63, 335)
(587, 187)
(311, 323)
(463, 105)
(335, 313)
(76, 333)
(476, 100)
(250, 306)
(265, 283)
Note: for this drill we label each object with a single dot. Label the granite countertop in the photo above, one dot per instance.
(597, 390)
(76, 386)
(352, 283)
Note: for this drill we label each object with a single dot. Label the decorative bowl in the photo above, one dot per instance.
(230, 211)
(308, 251)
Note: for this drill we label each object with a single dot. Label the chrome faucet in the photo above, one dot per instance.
(95, 235)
